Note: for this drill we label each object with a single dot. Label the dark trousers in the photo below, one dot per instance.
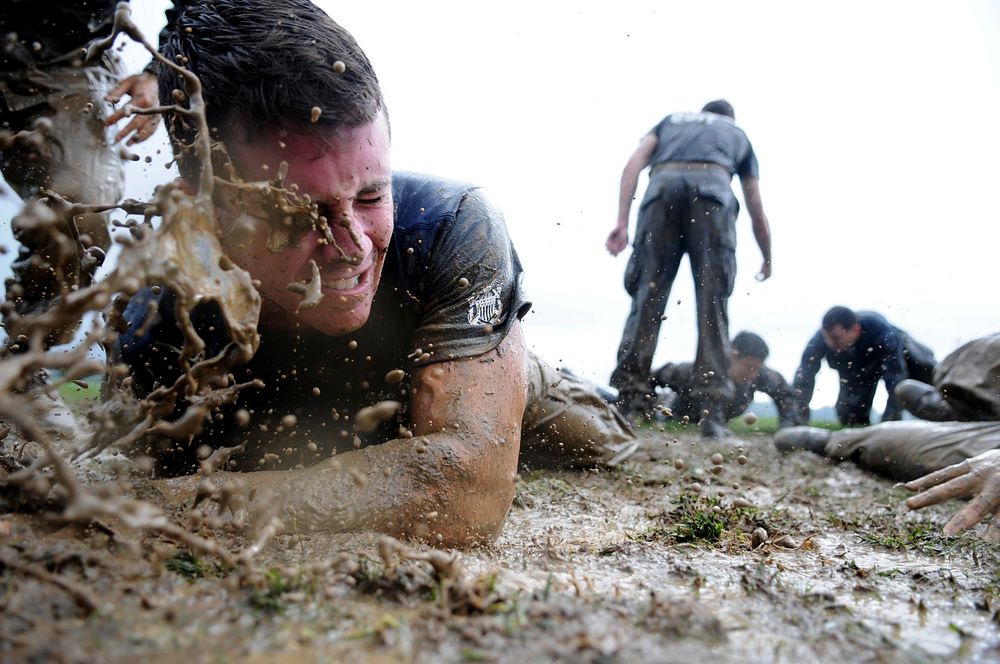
(676, 219)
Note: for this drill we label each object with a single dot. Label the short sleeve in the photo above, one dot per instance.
(472, 292)
(748, 167)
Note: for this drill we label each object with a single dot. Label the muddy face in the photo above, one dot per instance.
(347, 177)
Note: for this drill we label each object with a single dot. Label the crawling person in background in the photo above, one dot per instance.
(749, 374)
(966, 386)
(411, 369)
(863, 348)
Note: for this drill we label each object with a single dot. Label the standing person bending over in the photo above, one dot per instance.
(749, 375)
(863, 348)
(689, 207)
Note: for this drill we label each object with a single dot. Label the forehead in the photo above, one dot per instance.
(307, 147)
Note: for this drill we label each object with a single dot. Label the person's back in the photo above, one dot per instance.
(704, 137)
(689, 207)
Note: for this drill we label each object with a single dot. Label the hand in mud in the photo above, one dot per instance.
(977, 478)
(143, 90)
(765, 271)
(617, 240)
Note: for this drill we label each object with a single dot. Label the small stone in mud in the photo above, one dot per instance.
(750, 419)
(242, 417)
(679, 464)
(289, 421)
(716, 459)
(786, 541)
(314, 114)
(339, 67)
(742, 460)
(395, 376)
(758, 538)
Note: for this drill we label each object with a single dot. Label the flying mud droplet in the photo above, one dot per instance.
(395, 376)
(203, 452)
(289, 421)
(716, 459)
(463, 283)
(339, 67)
(742, 503)
(750, 419)
(695, 487)
(314, 114)
(742, 460)
(367, 419)
(352, 344)
(679, 464)
(242, 417)
(311, 291)
(717, 470)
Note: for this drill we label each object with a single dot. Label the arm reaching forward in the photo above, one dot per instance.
(450, 485)
(977, 478)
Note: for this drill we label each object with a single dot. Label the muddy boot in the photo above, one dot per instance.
(924, 401)
(809, 439)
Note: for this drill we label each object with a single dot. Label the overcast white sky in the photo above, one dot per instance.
(875, 125)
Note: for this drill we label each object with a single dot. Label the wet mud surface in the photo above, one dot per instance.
(814, 562)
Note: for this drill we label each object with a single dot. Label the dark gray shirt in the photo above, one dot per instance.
(704, 137)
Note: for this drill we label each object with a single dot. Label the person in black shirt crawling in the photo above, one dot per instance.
(748, 373)
(421, 303)
(864, 348)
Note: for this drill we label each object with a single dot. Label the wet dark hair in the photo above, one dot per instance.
(264, 64)
(748, 344)
(841, 316)
(720, 106)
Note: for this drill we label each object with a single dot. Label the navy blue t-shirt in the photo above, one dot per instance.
(450, 289)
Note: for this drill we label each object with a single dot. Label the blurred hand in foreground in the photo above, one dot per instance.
(977, 478)
(144, 93)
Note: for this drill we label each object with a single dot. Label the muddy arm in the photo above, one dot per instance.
(451, 484)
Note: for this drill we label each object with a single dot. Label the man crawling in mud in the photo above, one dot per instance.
(397, 322)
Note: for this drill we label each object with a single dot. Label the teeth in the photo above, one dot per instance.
(342, 284)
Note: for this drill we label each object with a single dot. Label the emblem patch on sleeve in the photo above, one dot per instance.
(486, 308)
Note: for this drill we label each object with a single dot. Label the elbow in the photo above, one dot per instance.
(468, 503)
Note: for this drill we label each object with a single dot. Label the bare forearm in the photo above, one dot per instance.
(626, 193)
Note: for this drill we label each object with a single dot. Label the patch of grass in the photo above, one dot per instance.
(276, 585)
(187, 564)
(72, 393)
(762, 425)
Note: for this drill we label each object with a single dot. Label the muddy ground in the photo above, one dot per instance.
(634, 564)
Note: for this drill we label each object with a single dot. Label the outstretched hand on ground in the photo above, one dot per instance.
(144, 93)
(977, 478)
